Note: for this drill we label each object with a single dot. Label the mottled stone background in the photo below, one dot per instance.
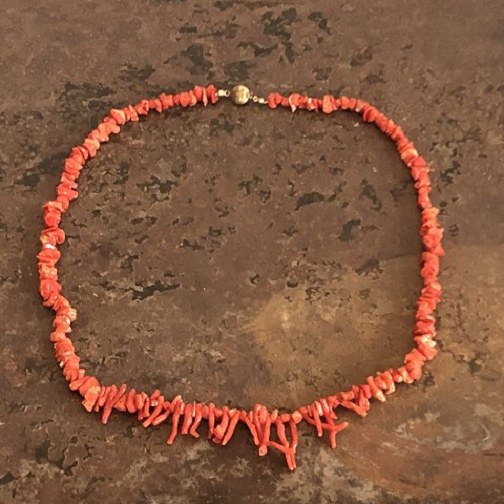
(241, 255)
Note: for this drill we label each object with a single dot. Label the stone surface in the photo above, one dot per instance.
(238, 254)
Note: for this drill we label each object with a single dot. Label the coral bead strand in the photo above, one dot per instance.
(268, 429)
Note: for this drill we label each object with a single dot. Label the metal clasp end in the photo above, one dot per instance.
(241, 95)
(223, 93)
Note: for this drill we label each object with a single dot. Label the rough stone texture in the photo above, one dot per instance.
(242, 255)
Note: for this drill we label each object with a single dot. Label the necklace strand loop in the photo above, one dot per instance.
(269, 429)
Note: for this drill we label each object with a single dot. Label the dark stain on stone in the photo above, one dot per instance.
(7, 478)
(42, 452)
(254, 279)
(371, 266)
(222, 209)
(322, 73)
(368, 191)
(105, 284)
(308, 199)
(220, 124)
(251, 5)
(473, 134)
(130, 72)
(94, 90)
(428, 380)
(264, 195)
(112, 358)
(214, 232)
(453, 230)
(321, 21)
(336, 170)
(144, 292)
(290, 231)
(238, 71)
(375, 78)
(211, 180)
(364, 293)
(87, 96)
(398, 192)
(35, 366)
(363, 56)
(193, 246)
(229, 30)
(127, 262)
(157, 184)
(259, 51)
(448, 175)
(337, 191)
(196, 55)
(68, 469)
(371, 227)
(123, 173)
(97, 105)
(292, 188)
(32, 114)
(251, 185)
(476, 363)
(348, 227)
(279, 27)
(248, 184)
(29, 180)
(187, 29)
(223, 5)
(51, 165)
(301, 167)
(313, 294)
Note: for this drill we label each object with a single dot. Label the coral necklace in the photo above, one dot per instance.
(269, 429)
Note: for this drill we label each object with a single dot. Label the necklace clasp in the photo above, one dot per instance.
(241, 95)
